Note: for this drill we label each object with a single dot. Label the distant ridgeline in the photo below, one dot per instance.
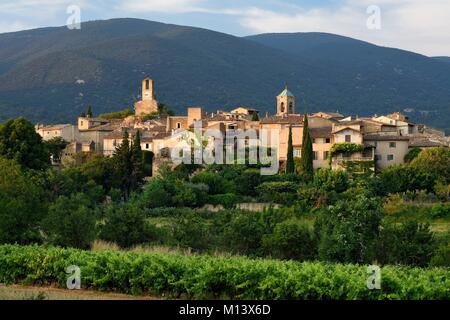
(56, 73)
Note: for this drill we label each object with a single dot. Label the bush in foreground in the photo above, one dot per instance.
(199, 277)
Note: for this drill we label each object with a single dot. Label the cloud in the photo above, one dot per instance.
(421, 26)
(165, 6)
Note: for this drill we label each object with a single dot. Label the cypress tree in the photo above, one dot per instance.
(290, 165)
(137, 162)
(255, 116)
(89, 112)
(306, 162)
(124, 165)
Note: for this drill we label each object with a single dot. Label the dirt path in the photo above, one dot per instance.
(19, 292)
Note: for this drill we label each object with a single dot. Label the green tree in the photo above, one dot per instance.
(291, 239)
(412, 154)
(436, 159)
(22, 204)
(71, 222)
(125, 225)
(331, 180)
(20, 142)
(137, 175)
(89, 112)
(55, 146)
(411, 243)
(349, 230)
(124, 165)
(290, 165)
(255, 116)
(306, 161)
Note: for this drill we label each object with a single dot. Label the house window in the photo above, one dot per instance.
(348, 138)
(313, 140)
(297, 153)
(178, 125)
(147, 146)
(390, 157)
(326, 154)
(327, 140)
(315, 155)
(282, 107)
(392, 145)
(378, 157)
(147, 84)
(291, 107)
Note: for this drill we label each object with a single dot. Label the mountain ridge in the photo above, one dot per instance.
(56, 72)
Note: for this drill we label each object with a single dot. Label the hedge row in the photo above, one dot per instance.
(198, 277)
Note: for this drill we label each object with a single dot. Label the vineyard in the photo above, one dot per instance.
(215, 277)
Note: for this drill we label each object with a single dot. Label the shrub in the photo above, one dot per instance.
(440, 210)
(216, 183)
(435, 159)
(331, 180)
(190, 194)
(227, 200)
(282, 192)
(401, 178)
(349, 230)
(125, 225)
(22, 204)
(157, 193)
(410, 244)
(71, 222)
(441, 257)
(291, 239)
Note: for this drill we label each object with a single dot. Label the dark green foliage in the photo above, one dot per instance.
(282, 192)
(20, 142)
(290, 165)
(147, 158)
(137, 173)
(190, 195)
(157, 193)
(243, 234)
(247, 181)
(89, 112)
(71, 222)
(125, 225)
(409, 244)
(117, 115)
(216, 183)
(227, 200)
(306, 161)
(55, 146)
(435, 159)
(440, 210)
(202, 277)
(255, 116)
(401, 178)
(349, 230)
(412, 154)
(291, 239)
(22, 205)
(331, 180)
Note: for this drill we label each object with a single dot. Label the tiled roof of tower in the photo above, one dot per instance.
(285, 93)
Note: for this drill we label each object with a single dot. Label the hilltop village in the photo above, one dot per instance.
(383, 140)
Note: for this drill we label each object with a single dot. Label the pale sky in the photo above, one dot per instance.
(422, 26)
